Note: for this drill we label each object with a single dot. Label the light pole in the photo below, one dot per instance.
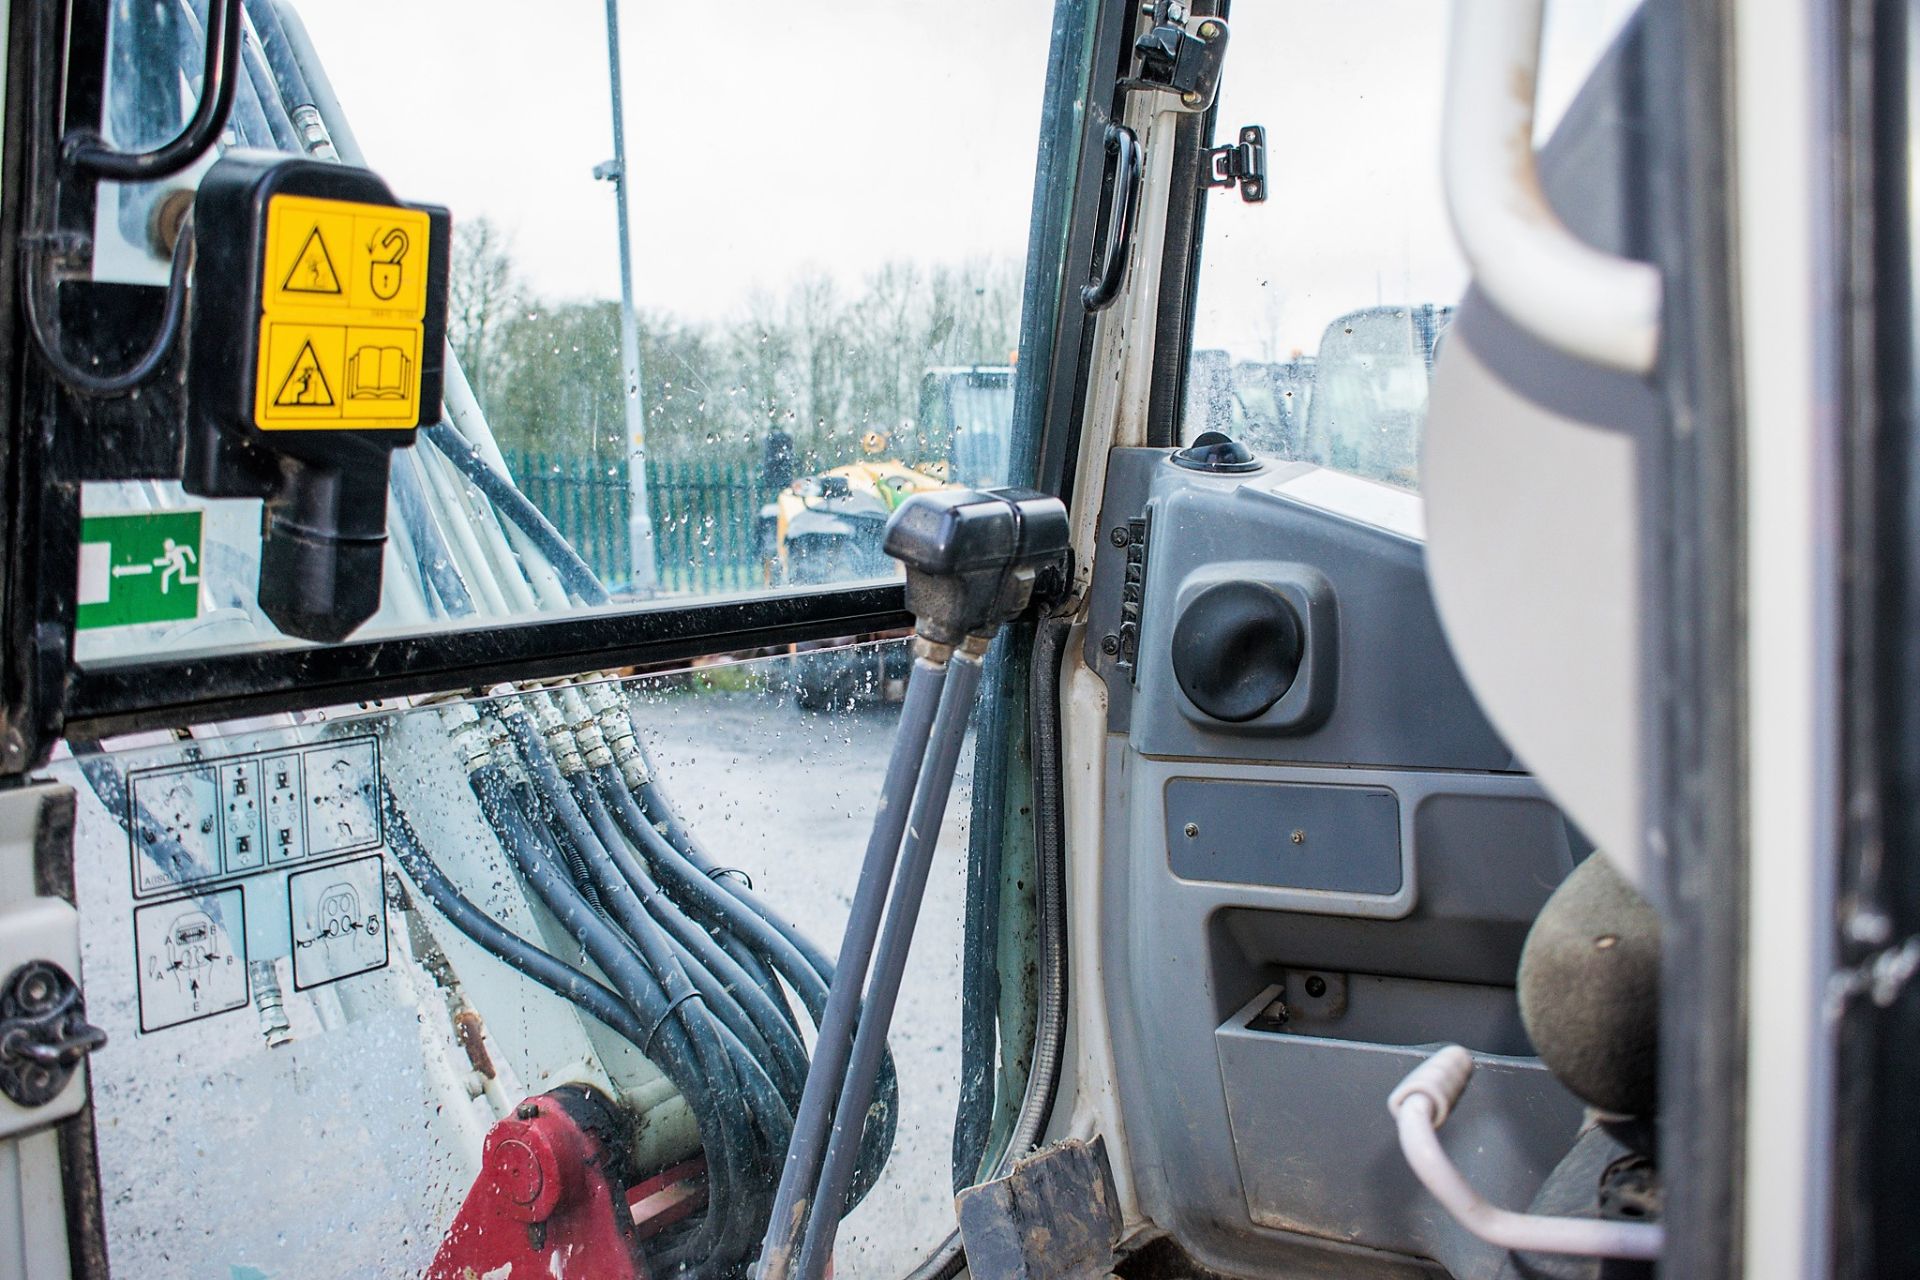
(645, 576)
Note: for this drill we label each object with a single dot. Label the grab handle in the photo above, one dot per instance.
(1590, 304)
(1124, 149)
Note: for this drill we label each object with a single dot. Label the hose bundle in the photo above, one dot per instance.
(697, 969)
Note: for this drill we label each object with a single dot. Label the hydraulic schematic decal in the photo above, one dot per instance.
(193, 958)
(342, 316)
(141, 567)
(273, 853)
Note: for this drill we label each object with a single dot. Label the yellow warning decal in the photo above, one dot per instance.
(355, 377)
(343, 305)
(312, 271)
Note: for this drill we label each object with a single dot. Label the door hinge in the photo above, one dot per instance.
(1242, 163)
(44, 1033)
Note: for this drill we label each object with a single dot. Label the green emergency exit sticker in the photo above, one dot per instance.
(137, 568)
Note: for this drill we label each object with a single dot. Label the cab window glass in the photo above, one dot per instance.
(308, 1043)
(1320, 312)
(823, 322)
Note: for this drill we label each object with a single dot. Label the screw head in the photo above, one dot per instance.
(1109, 645)
(1118, 536)
(1209, 31)
(1192, 98)
(1316, 986)
(1298, 836)
(1193, 829)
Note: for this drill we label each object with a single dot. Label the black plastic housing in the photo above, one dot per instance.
(974, 558)
(324, 526)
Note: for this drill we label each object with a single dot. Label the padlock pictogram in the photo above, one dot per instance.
(385, 271)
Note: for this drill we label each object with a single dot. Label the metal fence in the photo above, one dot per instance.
(703, 516)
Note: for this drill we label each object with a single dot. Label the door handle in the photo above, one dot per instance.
(1123, 154)
(1596, 306)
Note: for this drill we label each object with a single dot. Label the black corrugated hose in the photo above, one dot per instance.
(1049, 821)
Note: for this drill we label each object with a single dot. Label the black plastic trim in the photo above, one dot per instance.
(1180, 266)
(1062, 238)
(186, 690)
(1694, 562)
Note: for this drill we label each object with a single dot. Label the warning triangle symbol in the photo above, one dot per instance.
(312, 271)
(305, 385)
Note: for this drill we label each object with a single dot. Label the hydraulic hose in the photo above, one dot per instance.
(1050, 1032)
(434, 561)
(768, 1029)
(719, 1029)
(601, 881)
(548, 799)
(503, 944)
(890, 956)
(669, 1040)
(673, 834)
(808, 974)
(515, 506)
(795, 1203)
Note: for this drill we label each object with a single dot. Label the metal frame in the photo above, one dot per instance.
(1180, 263)
(1057, 337)
(118, 699)
(1878, 1025)
(1694, 555)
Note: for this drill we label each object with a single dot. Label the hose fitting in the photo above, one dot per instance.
(469, 736)
(559, 736)
(616, 728)
(587, 738)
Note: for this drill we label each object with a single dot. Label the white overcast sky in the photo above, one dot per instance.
(767, 138)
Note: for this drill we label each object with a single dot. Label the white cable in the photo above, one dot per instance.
(405, 597)
(506, 567)
(546, 583)
(488, 599)
(467, 417)
(1420, 1104)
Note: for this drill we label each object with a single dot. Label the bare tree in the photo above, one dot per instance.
(483, 293)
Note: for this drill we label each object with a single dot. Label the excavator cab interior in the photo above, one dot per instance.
(1385, 744)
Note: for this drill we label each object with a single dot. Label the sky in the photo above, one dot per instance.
(764, 138)
(767, 139)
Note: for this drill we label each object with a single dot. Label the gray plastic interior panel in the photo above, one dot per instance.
(1319, 1154)
(1398, 700)
(1290, 835)
(1410, 930)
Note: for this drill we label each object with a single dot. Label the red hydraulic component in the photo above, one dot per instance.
(550, 1201)
(667, 1198)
